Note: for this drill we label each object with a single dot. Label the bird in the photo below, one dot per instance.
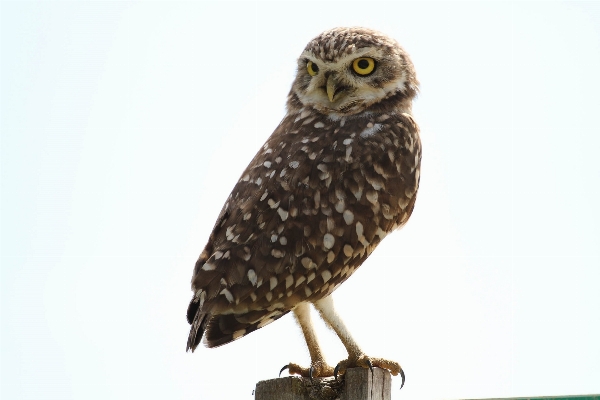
(339, 173)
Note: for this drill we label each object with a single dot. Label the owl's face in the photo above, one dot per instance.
(346, 71)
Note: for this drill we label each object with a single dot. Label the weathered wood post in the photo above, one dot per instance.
(357, 384)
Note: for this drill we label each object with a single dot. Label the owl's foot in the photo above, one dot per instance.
(316, 370)
(370, 362)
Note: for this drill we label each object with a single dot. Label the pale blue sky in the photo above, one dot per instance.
(125, 125)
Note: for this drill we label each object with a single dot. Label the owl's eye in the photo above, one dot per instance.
(363, 66)
(312, 68)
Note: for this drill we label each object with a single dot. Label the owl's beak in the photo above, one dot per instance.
(333, 87)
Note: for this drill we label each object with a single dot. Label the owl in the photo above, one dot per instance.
(339, 173)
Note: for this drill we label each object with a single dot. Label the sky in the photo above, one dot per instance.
(124, 127)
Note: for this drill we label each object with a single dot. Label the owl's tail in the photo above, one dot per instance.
(221, 329)
(198, 321)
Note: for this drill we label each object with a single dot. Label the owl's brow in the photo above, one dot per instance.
(365, 51)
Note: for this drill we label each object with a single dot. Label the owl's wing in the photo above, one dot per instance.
(252, 251)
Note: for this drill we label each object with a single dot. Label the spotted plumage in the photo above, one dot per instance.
(339, 173)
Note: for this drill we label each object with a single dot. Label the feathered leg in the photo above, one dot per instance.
(318, 365)
(356, 357)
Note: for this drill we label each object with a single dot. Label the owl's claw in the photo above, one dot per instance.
(310, 371)
(403, 377)
(370, 366)
(283, 369)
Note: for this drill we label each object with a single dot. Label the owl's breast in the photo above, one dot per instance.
(357, 162)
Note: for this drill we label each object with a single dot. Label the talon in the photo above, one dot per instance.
(403, 377)
(370, 365)
(310, 373)
(335, 371)
(288, 365)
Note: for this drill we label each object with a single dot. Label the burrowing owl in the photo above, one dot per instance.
(339, 173)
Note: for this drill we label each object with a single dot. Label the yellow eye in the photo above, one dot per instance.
(363, 66)
(312, 68)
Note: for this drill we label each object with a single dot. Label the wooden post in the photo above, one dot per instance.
(361, 384)
(357, 384)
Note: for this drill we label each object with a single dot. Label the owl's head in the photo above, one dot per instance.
(345, 71)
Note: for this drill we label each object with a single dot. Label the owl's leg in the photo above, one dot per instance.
(356, 357)
(318, 366)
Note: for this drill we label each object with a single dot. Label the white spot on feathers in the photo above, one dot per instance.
(348, 217)
(252, 277)
(308, 263)
(229, 232)
(208, 267)
(370, 130)
(372, 196)
(348, 250)
(289, 281)
(265, 321)
(277, 253)
(238, 334)
(330, 257)
(359, 229)
(328, 240)
(227, 295)
(300, 280)
(272, 203)
(348, 152)
(282, 213)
